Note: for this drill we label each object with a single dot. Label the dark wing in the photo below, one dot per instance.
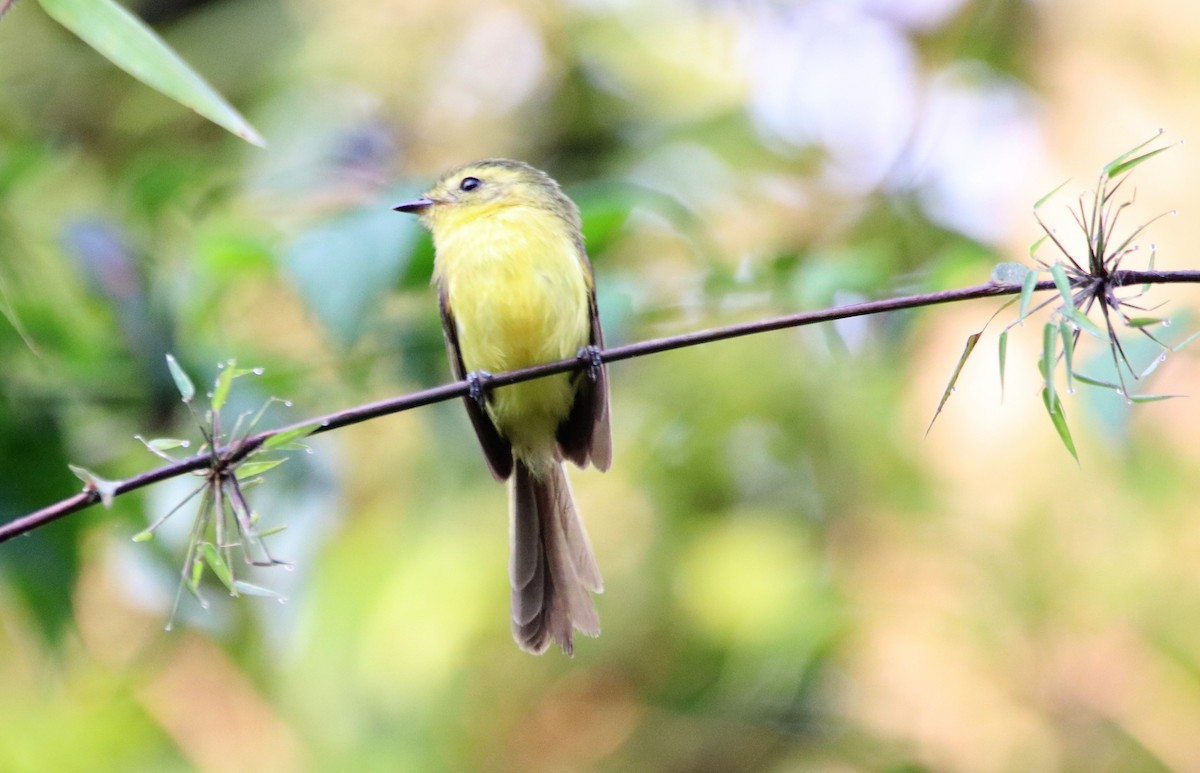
(585, 435)
(496, 449)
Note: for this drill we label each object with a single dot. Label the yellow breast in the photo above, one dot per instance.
(518, 289)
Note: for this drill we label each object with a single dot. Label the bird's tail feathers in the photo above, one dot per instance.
(551, 568)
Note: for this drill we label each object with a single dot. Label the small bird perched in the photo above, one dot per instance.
(515, 289)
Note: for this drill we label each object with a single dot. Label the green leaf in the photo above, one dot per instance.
(1121, 158)
(1097, 382)
(1037, 205)
(1027, 287)
(166, 443)
(216, 562)
(107, 489)
(1054, 408)
(145, 535)
(1062, 283)
(1151, 398)
(1009, 273)
(1144, 321)
(972, 340)
(288, 435)
(187, 390)
(1003, 359)
(1033, 248)
(127, 42)
(1125, 166)
(197, 575)
(160, 446)
(1049, 355)
(223, 384)
(250, 469)
(1153, 366)
(1081, 321)
(250, 589)
(1186, 341)
(1067, 333)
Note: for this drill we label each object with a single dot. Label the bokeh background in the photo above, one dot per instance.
(796, 577)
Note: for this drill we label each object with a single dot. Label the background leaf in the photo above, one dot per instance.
(344, 267)
(1058, 418)
(128, 43)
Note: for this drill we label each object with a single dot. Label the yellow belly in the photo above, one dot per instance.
(518, 290)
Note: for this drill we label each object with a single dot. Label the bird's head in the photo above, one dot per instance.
(486, 187)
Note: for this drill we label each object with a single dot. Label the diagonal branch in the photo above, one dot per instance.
(369, 411)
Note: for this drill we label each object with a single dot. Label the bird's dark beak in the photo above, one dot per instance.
(416, 206)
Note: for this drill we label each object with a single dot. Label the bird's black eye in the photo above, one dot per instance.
(469, 184)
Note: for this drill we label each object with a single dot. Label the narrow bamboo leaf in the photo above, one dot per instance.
(1049, 355)
(1062, 283)
(293, 447)
(1067, 333)
(166, 443)
(1152, 398)
(187, 390)
(1186, 341)
(1037, 205)
(107, 489)
(127, 42)
(250, 469)
(216, 562)
(197, 575)
(1003, 360)
(1081, 378)
(288, 435)
(1054, 408)
(1125, 166)
(1027, 288)
(962, 360)
(1009, 273)
(1153, 366)
(160, 446)
(250, 589)
(1121, 158)
(1082, 322)
(223, 385)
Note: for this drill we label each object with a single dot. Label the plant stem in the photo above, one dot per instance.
(369, 411)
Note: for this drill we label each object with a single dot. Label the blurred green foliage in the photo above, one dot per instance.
(794, 579)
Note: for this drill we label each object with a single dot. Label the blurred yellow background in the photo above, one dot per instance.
(796, 578)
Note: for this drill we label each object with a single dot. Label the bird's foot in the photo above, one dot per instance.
(477, 386)
(591, 355)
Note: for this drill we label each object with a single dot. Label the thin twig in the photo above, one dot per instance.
(239, 450)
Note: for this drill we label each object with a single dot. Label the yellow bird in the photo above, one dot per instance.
(516, 289)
